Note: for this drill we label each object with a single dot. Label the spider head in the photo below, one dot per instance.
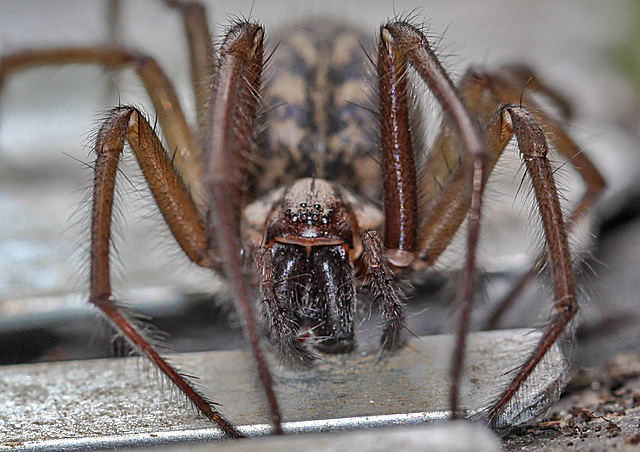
(312, 212)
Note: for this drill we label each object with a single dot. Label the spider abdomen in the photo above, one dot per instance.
(318, 121)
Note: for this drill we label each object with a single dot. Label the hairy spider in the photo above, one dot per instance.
(295, 194)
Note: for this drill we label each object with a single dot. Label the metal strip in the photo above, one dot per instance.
(109, 403)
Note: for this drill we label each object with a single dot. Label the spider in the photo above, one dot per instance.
(305, 199)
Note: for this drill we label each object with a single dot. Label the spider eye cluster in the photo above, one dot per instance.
(309, 213)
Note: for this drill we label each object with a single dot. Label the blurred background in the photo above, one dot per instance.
(588, 51)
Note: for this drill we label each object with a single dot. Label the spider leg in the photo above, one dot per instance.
(533, 146)
(180, 213)
(446, 213)
(161, 92)
(384, 289)
(200, 50)
(400, 43)
(449, 207)
(398, 164)
(232, 111)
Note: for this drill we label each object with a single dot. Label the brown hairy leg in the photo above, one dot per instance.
(402, 44)
(533, 146)
(179, 212)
